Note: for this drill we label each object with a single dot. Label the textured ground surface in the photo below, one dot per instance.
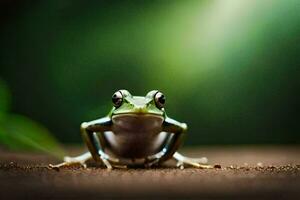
(247, 173)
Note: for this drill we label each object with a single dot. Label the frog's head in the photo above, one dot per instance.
(151, 104)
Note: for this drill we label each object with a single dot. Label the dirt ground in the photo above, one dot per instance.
(249, 172)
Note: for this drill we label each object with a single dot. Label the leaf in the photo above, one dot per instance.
(21, 133)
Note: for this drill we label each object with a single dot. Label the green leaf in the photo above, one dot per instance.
(21, 133)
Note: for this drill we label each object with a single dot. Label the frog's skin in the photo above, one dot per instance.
(136, 132)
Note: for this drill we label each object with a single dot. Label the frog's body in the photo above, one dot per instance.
(136, 136)
(136, 132)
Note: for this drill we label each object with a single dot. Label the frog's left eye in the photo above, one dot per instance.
(117, 99)
(160, 99)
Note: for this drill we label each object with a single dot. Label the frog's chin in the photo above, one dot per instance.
(137, 122)
(138, 113)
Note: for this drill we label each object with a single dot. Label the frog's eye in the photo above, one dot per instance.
(159, 99)
(117, 99)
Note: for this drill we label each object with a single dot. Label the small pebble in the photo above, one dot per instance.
(217, 166)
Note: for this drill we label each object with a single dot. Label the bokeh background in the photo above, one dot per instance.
(230, 69)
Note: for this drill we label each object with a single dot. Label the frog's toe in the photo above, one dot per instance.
(194, 162)
(58, 166)
(182, 164)
(106, 163)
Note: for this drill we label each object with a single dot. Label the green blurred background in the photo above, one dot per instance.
(229, 69)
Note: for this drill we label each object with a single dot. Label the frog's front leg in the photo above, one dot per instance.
(96, 151)
(89, 132)
(177, 131)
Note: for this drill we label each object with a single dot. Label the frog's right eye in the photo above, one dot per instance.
(160, 99)
(117, 99)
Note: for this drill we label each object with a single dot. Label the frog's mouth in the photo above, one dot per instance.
(137, 122)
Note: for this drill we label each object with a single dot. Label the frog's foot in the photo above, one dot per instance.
(82, 159)
(110, 162)
(195, 162)
(73, 161)
(154, 159)
(106, 159)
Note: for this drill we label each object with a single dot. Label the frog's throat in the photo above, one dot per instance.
(138, 122)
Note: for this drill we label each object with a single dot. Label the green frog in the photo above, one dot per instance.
(136, 132)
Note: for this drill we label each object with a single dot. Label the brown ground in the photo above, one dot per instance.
(246, 173)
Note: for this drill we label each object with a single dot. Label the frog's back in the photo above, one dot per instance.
(136, 136)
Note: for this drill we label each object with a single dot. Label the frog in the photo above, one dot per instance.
(136, 133)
